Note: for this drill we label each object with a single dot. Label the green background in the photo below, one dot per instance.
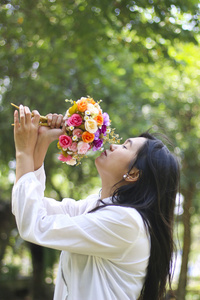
(142, 58)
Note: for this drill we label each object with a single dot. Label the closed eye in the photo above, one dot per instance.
(124, 147)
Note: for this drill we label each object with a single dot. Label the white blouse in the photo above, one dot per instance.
(104, 254)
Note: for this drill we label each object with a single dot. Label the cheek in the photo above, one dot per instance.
(123, 161)
(118, 166)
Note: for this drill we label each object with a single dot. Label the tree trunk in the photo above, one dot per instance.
(7, 224)
(188, 196)
(38, 284)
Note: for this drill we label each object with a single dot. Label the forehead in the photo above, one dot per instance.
(137, 141)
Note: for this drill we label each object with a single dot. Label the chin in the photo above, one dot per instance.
(98, 159)
(99, 164)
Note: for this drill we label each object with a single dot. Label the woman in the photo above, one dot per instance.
(117, 247)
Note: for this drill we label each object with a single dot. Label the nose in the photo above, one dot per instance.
(112, 147)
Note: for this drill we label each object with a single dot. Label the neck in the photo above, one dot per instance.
(108, 187)
(107, 190)
(105, 194)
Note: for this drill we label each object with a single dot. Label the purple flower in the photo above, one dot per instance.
(97, 134)
(103, 129)
(106, 120)
(97, 144)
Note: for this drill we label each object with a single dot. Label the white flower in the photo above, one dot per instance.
(96, 105)
(93, 110)
(86, 118)
(71, 162)
(108, 130)
(74, 138)
(87, 112)
(71, 128)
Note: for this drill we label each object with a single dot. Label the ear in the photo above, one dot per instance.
(133, 175)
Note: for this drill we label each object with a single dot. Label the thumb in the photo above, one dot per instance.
(55, 133)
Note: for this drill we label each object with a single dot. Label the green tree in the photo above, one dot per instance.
(139, 57)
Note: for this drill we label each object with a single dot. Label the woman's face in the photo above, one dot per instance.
(112, 164)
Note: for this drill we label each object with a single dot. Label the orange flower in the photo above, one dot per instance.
(88, 137)
(82, 105)
(91, 100)
(99, 119)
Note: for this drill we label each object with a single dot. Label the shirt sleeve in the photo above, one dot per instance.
(70, 206)
(106, 233)
(41, 176)
(66, 206)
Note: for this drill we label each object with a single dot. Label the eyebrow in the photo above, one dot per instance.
(129, 141)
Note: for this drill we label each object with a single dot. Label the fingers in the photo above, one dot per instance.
(49, 119)
(26, 118)
(27, 115)
(55, 120)
(59, 122)
(36, 117)
(16, 120)
(22, 115)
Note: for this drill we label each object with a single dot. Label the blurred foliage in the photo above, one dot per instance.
(141, 57)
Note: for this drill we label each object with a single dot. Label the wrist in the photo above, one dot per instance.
(24, 164)
(20, 155)
(40, 150)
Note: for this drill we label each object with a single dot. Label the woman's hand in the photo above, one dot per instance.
(25, 130)
(25, 136)
(46, 135)
(55, 129)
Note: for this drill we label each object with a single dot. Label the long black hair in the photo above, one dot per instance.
(153, 196)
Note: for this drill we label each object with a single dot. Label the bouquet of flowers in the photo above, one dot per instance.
(87, 128)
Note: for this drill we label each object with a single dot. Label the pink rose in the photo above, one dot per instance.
(73, 147)
(83, 147)
(77, 132)
(63, 158)
(65, 141)
(74, 120)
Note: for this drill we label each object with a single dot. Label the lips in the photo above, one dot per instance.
(104, 153)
